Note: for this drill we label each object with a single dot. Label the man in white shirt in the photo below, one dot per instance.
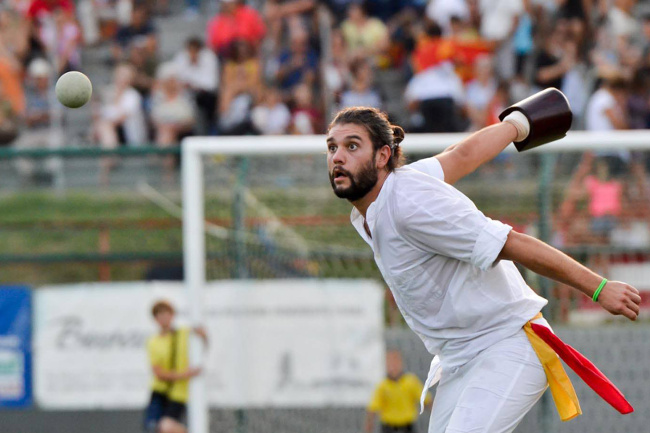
(499, 20)
(432, 96)
(198, 70)
(607, 111)
(451, 268)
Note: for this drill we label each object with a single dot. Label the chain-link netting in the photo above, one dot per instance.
(276, 216)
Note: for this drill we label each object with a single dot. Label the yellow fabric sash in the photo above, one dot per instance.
(566, 400)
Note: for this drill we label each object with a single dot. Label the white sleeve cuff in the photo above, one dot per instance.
(489, 244)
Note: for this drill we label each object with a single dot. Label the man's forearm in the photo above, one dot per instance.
(549, 262)
(484, 145)
(616, 297)
(465, 157)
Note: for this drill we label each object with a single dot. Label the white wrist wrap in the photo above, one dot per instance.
(520, 122)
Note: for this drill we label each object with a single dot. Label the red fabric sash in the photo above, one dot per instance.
(585, 369)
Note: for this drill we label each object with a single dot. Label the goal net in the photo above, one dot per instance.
(262, 208)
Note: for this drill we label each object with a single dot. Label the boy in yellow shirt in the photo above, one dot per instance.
(169, 359)
(396, 399)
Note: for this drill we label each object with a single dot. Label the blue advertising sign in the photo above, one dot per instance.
(15, 347)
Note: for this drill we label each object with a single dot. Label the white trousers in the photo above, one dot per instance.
(492, 392)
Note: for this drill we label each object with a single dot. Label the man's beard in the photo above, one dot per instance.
(360, 184)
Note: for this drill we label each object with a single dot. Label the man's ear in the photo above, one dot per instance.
(383, 156)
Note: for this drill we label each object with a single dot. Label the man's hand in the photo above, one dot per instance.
(616, 297)
(620, 298)
(192, 372)
(200, 331)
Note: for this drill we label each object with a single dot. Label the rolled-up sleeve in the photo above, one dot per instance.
(437, 218)
(489, 243)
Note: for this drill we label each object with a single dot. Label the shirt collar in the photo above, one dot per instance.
(373, 210)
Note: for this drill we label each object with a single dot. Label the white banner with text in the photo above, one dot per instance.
(273, 343)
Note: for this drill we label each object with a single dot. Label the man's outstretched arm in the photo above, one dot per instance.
(616, 297)
(461, 159)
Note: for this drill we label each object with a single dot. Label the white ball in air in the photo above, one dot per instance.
(73, 89)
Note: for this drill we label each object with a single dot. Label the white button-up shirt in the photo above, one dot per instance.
(437, 253)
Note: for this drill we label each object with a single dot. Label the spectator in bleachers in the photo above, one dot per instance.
(62, 38)
(121, 118)
(523, 42)
(271, 116)
(95, 13)
(621, 21)
(460, 30)
(144, 60)
(298, 63)
(306, 118)
(37, 133)
(235, 21)
(141, 27)
(576, 15)
(10, 78)
(479, 92)
(499, 21)
(365, 36)
(277, 12)
(8, 119)
(441, 12)
(607, 111)
(172, 113)
(234, 116)
(605, 196)
(14, 32)
(464, 45)
(403, 29)
(435, 92)
(199, 72)
(336, 72)
(607, 107)
(35, 48)
(361, 91)
(41, 9)
(554, 60)
(239, 89)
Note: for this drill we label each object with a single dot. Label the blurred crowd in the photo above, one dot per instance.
(284, 66)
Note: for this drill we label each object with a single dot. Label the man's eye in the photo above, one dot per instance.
(353, 146)
(332, 149)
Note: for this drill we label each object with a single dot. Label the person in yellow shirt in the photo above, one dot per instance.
(365, 36)
(396, 399)
(169, 359)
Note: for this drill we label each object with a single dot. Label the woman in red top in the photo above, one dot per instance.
(235, 21)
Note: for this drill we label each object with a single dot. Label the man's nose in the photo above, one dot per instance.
(339, 156)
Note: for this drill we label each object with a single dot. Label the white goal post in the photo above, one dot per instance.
(194, 247)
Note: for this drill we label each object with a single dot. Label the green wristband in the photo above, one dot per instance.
(597, 292)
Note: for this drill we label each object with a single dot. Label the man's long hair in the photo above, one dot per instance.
(381, 131)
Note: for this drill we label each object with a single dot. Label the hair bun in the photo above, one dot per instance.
(398, 134)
